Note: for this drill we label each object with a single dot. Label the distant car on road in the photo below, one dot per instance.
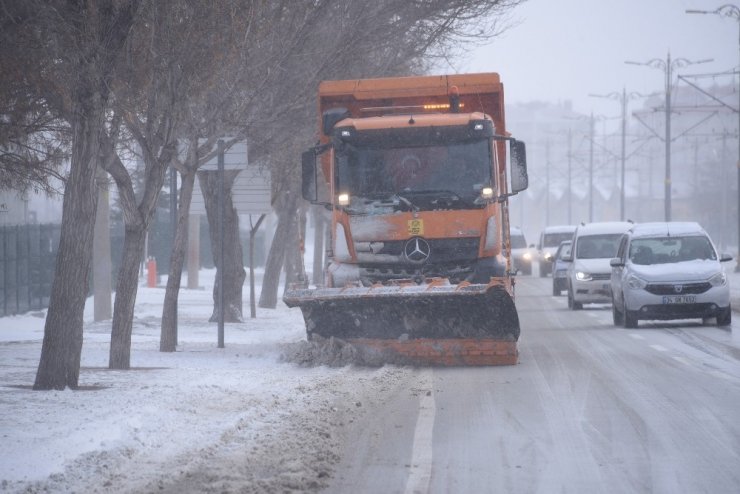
(550, 239)
(669, 270)
(521, 254)
(589, 272)
(560, 268)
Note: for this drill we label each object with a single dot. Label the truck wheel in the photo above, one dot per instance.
(725, 319)
(555, 288)
(630, 319)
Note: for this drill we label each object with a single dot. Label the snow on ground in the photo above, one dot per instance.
(202, 419)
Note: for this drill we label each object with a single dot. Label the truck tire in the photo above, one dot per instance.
(725, 319)
(555, 288)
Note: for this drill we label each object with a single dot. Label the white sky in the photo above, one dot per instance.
(565, 49)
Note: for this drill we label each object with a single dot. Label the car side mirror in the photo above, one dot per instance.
(616, 263)
(725, 258)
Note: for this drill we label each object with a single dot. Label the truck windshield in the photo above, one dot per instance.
(443, 176)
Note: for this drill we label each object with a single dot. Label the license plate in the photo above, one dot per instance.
(679, 299)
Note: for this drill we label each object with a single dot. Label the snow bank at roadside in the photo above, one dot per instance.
(202, 419)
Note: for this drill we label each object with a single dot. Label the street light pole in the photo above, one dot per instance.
(667, 67)
(591, 170)
(623, 98)
(668, 81)
(732, 11)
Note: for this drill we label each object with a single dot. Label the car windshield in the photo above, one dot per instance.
(666, 250)
(563, 251)
(598, 246)
(400, 175)
(554, 239)
(518, 242)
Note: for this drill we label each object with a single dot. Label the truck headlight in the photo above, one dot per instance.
(636, 283)
(719, 279)
(583, 276)
(527, 256)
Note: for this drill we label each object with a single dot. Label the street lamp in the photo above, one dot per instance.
(732, 11)
(667, 66)
(623, 98)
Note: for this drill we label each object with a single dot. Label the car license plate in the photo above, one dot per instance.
(679, 299)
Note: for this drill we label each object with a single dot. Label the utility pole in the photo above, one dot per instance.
(570, 177)
(591, 170)
(547, 183)
(667, 66)
(731, 11)
(623, 99)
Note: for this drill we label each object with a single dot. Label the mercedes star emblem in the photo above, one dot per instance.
(417, 250)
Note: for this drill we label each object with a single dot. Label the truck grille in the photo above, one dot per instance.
(451, 258)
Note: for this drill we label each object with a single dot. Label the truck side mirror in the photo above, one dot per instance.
(519, 177)
(308, 176)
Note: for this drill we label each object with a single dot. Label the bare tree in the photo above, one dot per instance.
(68, 52)
(352, 39)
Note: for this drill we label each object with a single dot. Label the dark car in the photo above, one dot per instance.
(560, 268)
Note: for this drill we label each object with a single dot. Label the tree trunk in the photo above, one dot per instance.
(274, 264)
(234, 274)
(295, 271)
(126, 289)
(168, 336)
(61, 350)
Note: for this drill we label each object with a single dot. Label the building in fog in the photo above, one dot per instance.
(575, 162)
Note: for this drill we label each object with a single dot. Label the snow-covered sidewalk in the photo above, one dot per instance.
(200, 419)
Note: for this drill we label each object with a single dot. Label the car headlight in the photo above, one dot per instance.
(548, 257)
(719, 279)
(583, 276)
(527, 256)
(636, 283)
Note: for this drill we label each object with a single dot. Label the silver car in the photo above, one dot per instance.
(669, 270)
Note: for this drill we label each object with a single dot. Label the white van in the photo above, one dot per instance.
(589, 272)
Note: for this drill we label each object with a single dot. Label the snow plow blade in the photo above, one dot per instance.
(433, 323)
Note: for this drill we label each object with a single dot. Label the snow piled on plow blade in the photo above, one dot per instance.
(429, 323)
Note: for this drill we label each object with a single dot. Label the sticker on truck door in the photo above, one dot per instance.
(416, 227)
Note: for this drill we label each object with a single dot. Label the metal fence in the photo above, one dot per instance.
(27, 258)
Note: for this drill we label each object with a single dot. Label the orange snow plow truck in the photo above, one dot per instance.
(415, 175)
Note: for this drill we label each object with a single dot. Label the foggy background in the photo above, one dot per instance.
(556, 54)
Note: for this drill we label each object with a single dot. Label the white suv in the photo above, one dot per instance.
(669, 271)
(589, 272)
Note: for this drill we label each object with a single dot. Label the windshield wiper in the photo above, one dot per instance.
(407, 202)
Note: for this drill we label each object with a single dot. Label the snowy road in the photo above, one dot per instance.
(590, 408)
